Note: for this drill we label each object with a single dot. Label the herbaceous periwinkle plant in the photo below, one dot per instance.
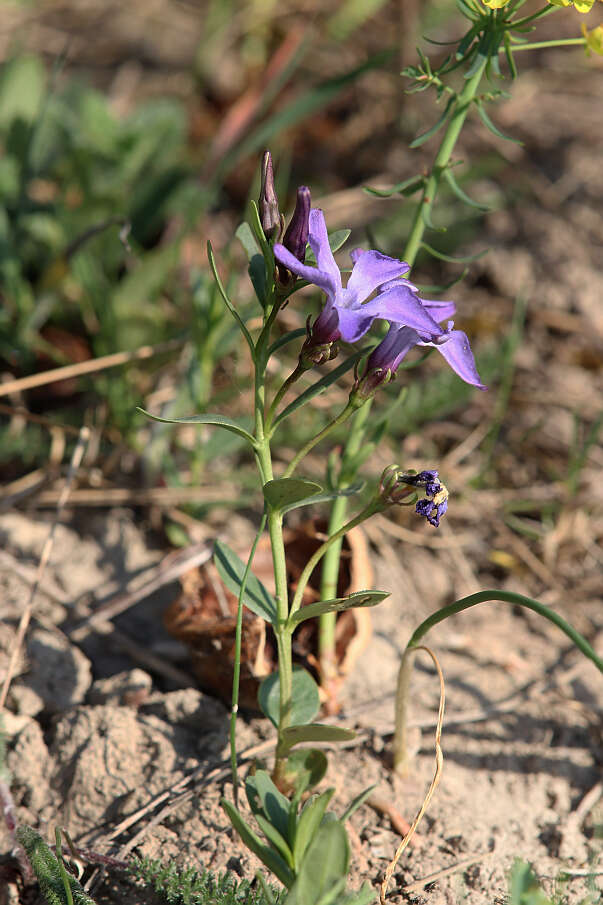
(372, 319)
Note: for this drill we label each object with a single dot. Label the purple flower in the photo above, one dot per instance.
(452, 344)
(296, 235)
(346, 314)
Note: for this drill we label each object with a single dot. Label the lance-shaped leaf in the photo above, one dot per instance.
(283, 494)
(456, 260)
(286, 338)
(257, 266)
(226, 300)
(320, 386)
(308, 822)
(357, 803)
(264, 797)
(315, 732)
(231, 569)
(304, 693)
(490, 125)
(338, 605)
(326, 496)
(267, 855)
(216, 420)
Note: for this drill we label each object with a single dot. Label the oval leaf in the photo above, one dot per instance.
(306, 700)
(217, 420)
(338, 605)
(264, 797)
(256, 597)
(286, 493)
(305, 769)
(315, 732)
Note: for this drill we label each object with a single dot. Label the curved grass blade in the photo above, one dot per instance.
(226, 300)
(460, 194)
(215, 420)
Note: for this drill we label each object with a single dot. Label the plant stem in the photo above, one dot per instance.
(330, 566)
(299, 370)
(539, 45)
(376, 505)
(402, 694)
(343, 416)
(237, 665)
(441, 161)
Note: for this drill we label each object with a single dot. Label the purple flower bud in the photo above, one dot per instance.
(270, 217)
(396, 486)
(296, 235)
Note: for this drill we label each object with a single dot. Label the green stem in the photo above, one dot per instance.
(343, 416)
(441, 161)
(402, 694)
(237, 666)
(330, 566)
(374, 506)
(539, 45)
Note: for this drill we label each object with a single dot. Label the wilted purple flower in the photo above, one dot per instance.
(270, 217)
(346, 314)
(396, 484)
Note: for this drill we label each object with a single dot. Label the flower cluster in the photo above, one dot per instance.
(376, 289)
(583, 6)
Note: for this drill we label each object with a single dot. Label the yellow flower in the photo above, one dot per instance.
(495, 4)
(594, 39)
(583, 6)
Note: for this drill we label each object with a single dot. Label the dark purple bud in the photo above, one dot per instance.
(270, 217)
(296, 235)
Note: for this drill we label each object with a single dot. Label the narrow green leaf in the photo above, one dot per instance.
(275, 839)
(426, 217)
(257, 265)
(264, 797)
(443, 287)
(306, 700)
(510, 58)
(457, 260)
(307, 825)
(286, 338)
(326, 496)
(406, 187)
(216, 420)
(315, 732)
(365, 896)
(425, 136)
(338, 605)
(490, 125)
(357, 803)
(460, 194)
(231, 569)
(283, 494)
(226, 300)
(320, 386)
(267, 856)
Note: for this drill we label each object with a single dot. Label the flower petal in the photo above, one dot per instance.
(353, 323)
(440, 311)
(456, 350)
(319, 243)
(392, 349)
(312, 274)
(401, 306)
(371, 269)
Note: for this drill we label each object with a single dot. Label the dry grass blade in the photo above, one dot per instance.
(85, 367)
(434, 782)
